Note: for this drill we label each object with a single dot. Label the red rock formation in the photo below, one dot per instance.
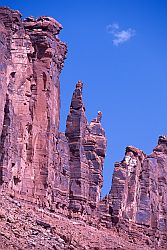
(125, 190)
(61, 172)
(87, 151)
(95, 150)
(138, 193)
(37, 162)
(32, 58)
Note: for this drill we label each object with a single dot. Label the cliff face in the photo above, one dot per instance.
(138, 194)
(62, 172)
(37, 162)
(32, 58)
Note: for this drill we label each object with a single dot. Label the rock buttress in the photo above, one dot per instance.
(32, 59)
(137, 201)
(125, 185)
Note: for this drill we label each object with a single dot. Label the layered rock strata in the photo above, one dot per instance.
(138, 194)
(62, 172)
(32, 58)
(37, 162)
(87, 146)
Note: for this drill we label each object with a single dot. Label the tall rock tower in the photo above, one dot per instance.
(87, 144)
(32, 57)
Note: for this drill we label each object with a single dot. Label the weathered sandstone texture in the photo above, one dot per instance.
(87, 145)
(60, 174)
(32, 58)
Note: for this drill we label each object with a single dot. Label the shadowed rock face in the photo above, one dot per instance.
(125, 186)
(138, 194)
(62, 172)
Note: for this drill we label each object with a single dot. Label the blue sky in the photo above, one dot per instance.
(125, 79)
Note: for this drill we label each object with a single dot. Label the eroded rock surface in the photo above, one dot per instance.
(37, 162)
(87, 145)
(32, 60)
(138, 194)
(61, 173)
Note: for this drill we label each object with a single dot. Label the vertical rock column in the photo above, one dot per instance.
(87, 145)
(95, 149)
(75, 131)
(47, 62)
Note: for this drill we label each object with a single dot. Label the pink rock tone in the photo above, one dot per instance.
(87, 145)
(31, 63)
(59, 175)
(138, 194)
(125, 190)
(38, 163)
(79, 169)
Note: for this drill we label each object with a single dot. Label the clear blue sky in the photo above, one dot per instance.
(127, 82)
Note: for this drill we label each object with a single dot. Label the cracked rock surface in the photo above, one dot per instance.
(50, 182)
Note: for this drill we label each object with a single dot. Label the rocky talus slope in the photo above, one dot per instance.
(50, 182)
(23, 226)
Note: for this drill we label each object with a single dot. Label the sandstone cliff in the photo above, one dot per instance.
(61, 173)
